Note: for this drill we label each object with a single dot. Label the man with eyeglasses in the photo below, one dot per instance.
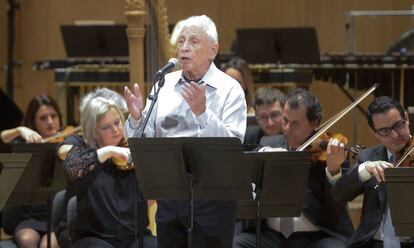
(268, 105)
(390, 125)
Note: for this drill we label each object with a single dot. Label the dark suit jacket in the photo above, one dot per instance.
(319, 206)
(350, 186)
(253, 135)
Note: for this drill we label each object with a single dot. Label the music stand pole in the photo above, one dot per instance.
(190, 228)
(258, 220)
(49, 223)
(140, 133)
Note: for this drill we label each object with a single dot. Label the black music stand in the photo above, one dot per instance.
(190, 169)
(95, 40)
(43, 177)
(12, 166)
(42, 172)
(280, 179)
(400, 188)
(296, 45)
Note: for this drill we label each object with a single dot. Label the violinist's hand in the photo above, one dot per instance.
(272, 149)
(134, 101)
(376, 169)
(63, 151)
(336, 155)
(29, 135)
(195, 96)
(116, 152)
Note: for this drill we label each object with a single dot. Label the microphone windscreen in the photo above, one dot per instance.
(175, 62)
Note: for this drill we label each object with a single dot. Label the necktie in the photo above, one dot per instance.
(390, 240)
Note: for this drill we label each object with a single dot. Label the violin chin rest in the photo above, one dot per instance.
(120, 162)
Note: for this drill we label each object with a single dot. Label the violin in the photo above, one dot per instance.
(319, 146)
(406, 156)
(325, 126)
(123, 164)
(60, 136)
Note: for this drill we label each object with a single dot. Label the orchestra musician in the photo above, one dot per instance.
(197, 101)
(238, 69)
(324, 222)
(61, 231)
(107, 213)
(42, 119)
(390, 125)
(268, 105)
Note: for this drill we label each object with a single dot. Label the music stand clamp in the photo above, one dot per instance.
(192, 169)
(272, 172)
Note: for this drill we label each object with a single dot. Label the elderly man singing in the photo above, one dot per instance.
(197, 101)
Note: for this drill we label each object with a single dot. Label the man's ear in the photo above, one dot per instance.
(314, 124)
(213, 51)
(406, 117)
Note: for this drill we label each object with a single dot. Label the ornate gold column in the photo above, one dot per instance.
(135, 14)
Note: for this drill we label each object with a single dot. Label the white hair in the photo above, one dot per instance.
(176, 32)
(205, 23)
(105, 93)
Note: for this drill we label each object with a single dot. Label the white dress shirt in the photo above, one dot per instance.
(225, 114)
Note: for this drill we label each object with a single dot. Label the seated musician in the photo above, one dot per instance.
(238, 69)
(268, 105)
(323, 222)
(42, 119)
(106, 192)
(62, 232)
(390, 125)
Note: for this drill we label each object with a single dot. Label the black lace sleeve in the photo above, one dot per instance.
(81, 165)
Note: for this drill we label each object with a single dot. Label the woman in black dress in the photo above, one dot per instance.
(107, 211)
(42, 120)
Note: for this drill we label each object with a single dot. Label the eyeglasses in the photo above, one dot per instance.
(265, 118)
(385, 131)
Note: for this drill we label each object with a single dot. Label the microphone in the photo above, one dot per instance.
(172, 63)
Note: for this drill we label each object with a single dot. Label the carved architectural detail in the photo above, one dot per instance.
(135, 15)
(134, 5)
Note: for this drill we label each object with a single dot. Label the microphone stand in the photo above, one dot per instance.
(140, 131)
(141, 134)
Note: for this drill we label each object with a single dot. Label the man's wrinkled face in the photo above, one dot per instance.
(195, 51)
